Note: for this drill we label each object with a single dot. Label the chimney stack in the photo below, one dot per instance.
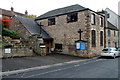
(12, 9)
(26, 12)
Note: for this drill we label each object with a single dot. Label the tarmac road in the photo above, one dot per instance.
(97, 68)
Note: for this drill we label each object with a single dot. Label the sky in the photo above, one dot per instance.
(39, 7)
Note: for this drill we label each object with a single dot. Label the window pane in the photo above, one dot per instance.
(108, 32)
(101, 21)
(93, 38)
(72, 17)
(51, 21)
(92, 18)
(101, 38)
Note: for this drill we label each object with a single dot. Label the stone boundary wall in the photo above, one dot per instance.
(17, 52)
(18, 48)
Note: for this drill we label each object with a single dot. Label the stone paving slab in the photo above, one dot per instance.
(11, 64)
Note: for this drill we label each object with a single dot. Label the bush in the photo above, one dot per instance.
(11, 33)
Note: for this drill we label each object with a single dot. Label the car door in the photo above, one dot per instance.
(116, 52)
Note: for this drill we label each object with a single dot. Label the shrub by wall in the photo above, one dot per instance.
(11, 33)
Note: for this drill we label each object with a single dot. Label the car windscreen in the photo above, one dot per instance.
(106, 49)
(118, 49)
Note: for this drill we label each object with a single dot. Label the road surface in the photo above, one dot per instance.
(95, 68)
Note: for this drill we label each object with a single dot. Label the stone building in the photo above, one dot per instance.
(32, 35)
(73, 24)
(112, 35)
(114, 20)
(111, 30)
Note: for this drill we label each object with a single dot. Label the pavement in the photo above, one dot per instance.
(25, 63)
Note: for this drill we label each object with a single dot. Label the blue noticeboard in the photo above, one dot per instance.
(80, 45)
(77, 45)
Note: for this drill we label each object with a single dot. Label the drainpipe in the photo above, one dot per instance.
(105, 26)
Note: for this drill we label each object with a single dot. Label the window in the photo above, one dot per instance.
(93, 33)
(109, 44)
(93, 19)
(72, 17)
(115, 44)
(101, 38)
(101, 21)
(58, 46)
(114, 33)
(109, 33)
(51, 21)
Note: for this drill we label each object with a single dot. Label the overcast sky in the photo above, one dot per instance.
(39, 7)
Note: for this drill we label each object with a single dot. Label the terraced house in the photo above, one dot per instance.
(111, 28)
(76, 30)
(112, 34)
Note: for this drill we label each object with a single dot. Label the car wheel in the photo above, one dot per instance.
(114, 56)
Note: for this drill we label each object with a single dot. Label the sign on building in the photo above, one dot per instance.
(7, 50)
(80, 45)
(42, 45)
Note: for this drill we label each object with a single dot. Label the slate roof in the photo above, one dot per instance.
(61, 11)
(111, 26)
(33, 27)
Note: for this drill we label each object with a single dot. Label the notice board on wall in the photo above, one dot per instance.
(8, 50)
(80, 45)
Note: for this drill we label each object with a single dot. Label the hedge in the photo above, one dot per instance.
(11, 33)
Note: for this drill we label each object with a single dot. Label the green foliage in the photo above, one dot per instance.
(2, 43)
(31, 16)
(11, 33)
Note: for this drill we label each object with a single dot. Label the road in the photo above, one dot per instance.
(95, 68)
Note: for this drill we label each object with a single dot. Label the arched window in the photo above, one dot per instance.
(101, 38)
(93, 38)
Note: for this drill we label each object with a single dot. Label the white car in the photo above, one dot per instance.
(112, 52)
(118, 50)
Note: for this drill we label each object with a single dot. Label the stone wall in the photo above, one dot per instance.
(18, 48)
(17, 52)
(97, 27)
(67, 33)
(34, 43)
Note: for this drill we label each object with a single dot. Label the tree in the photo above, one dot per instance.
(31, 16)
(6, 21)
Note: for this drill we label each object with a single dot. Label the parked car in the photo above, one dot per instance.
(112, 52)
(118, 50)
